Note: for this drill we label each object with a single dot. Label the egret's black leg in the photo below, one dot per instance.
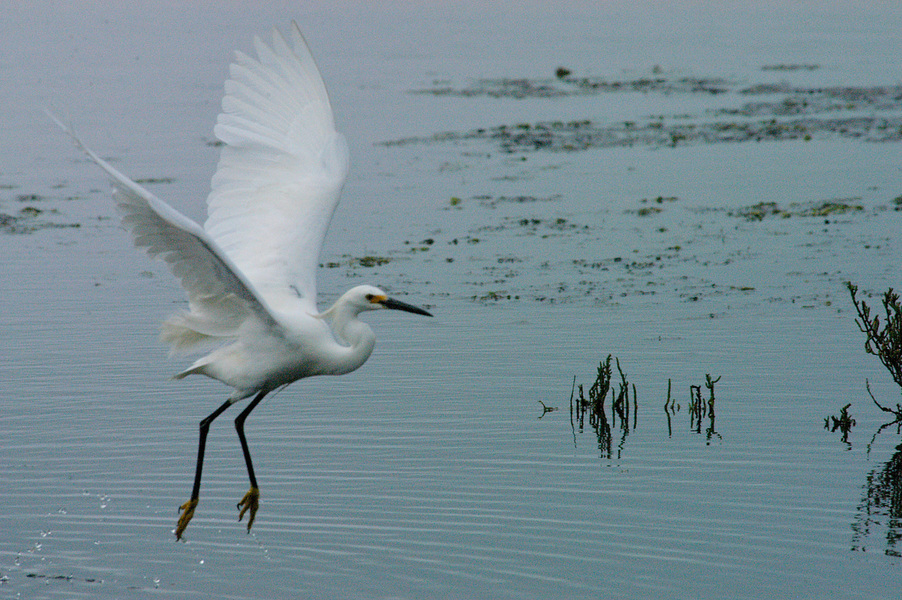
(187, 509)
(251, 498)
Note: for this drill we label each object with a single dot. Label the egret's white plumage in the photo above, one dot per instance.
(250, 272)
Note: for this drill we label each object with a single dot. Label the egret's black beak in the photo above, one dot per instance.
(398, 305)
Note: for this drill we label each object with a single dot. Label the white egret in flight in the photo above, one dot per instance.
(250, 272)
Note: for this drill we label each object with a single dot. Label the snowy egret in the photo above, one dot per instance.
(250, 272)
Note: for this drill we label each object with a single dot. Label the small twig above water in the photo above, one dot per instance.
(546, 409)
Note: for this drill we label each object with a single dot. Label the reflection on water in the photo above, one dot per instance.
(700, 409)
(844, 423)
(880, 510)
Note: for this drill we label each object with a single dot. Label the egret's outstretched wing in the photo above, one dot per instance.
(220, 298)
(280, 172)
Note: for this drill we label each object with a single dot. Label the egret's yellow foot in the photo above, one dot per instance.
(187, 510)
(249, 503)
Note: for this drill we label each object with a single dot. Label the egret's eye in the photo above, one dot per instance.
(369, 297)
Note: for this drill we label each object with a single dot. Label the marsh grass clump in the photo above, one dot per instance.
(884, 339)
(604, 418)
(594, 406)
(697, 406)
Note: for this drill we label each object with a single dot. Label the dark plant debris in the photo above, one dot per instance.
(30, 219)
(368, 261)
(155, 180)
(586, 134)
(769, 112)
(564, 83)
(791, 67)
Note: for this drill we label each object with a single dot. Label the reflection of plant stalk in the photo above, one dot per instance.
(669, 409)
(699, 408)
(844, 422)
(897, 414)
(881, 505)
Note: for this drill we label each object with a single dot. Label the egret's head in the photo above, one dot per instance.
(367, 297)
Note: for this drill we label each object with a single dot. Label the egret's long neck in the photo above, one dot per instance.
(358, 336)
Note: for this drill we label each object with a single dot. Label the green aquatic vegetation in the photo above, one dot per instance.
(646, 211)
(372, 261)
(825, 208)
(757, 212)
(832, 207)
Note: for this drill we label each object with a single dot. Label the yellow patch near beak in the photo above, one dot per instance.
(377, 299)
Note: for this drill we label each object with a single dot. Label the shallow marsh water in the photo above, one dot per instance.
(428, 473)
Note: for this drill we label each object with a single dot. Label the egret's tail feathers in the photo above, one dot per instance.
(196, 369)
(187, 331)
(182, 338)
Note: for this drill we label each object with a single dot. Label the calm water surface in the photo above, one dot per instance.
(432, 471)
